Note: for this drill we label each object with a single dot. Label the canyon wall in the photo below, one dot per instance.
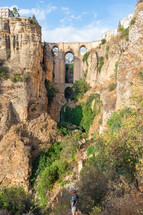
(111, 69)
(25, 127)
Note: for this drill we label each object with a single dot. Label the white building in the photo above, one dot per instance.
(125, 23)
(5, 13)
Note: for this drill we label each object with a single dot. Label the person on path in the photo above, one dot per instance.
(74, 202)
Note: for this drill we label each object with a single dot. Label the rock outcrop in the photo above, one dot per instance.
(131, 62)
(25, 127)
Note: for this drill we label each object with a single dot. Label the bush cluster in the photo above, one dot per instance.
(17, 201)
(82, 115)
(51, 91)
(103, 41)
(116, 69)
(16, 77)
(112, 87)
(124, 32)
(85, 57)
(100, 63)
(133, 21)
(79, 88)
(107, 52)
(3, 73)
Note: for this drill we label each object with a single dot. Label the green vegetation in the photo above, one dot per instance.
(85, 57)
(82, 115)
(94, 183)
(33, 20)
(100, 121)
(115, 121)
(70, 146)
(100, 64)
(107, 52)
(80, 87)
(53, 165)
(16, 77)
(133, 21)
(141, 74)
(103, 41)
(51, 91)
(50, 168)
(3, 73)
(90, 109)
(86, 73)
(48, 177)
(116, 69)
(124, 32)
(15, 12)
(112, 87)
(73, 115)
(17, 201)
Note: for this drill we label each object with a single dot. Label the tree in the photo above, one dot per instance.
(33, 19)
(15, 12)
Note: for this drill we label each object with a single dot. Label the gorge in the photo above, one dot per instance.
(81, 129)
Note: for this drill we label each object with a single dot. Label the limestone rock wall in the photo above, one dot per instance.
(129, 55)
(21, 53)
(131, 62)
(25, 127)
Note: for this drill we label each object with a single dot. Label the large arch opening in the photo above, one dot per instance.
(83, 50)
(55, 50)
(68, 93)
(69, 67)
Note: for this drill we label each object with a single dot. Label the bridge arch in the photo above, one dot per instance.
(68, 93)
(83, 49)
(55, 50)
(69, 67)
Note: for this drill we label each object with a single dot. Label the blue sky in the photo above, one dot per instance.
(74, 20)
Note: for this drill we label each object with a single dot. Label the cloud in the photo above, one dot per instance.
(40, 13)
(72, 34)
(75, 17)
(66, 10)
(70, 16)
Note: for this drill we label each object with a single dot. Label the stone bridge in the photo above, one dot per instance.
(59, 61)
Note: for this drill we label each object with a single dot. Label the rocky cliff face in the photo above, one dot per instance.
(131, 62)
(25, 126)
(120, 58)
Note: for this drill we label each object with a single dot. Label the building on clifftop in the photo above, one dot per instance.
(5, 13)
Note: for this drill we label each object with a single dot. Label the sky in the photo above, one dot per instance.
(74, 20)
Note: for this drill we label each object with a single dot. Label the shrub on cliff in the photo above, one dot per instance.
(15, 12)
(17, 201)
(92, 188)
(47, 179)
(120, 148)
(112, 87)
(124, 32)
(74, 115)
(80, 87)
(103, 41)
(90, 112)
(3, 73)
(85, 57)
(45, 159)
(100, 63)
(70, 145)
(51, 91)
